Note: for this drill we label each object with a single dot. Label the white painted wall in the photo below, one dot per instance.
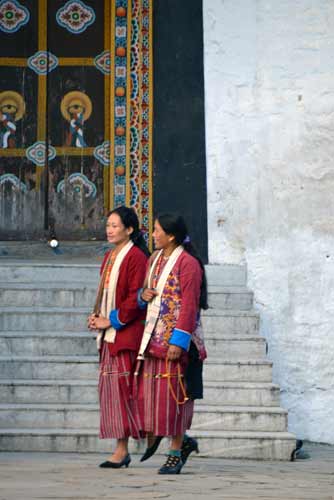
(269, 87)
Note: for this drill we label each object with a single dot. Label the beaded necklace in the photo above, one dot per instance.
(156, 274)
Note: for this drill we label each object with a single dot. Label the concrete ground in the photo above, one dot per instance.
(26, 476)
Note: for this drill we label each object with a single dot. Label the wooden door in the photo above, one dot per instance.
(75, 115)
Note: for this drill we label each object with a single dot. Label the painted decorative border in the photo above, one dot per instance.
(133, 102)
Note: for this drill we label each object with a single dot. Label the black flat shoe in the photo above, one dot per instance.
(173, 465)
(152, 449)
(116, 465)
(189, 445)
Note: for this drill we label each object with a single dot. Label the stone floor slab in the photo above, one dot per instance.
(53, 476)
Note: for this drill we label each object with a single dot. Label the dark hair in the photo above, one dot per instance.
(176, 226)
(129, 219)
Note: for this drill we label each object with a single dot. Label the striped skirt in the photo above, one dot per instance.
(158, 410)
(117, 416)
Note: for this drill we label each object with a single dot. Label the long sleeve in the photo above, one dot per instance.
(128, 309)
(190, 284)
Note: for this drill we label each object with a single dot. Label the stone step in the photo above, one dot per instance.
(245, 444)
(224, 444)
(226, 275)
(216, 369)
(32, 343)
(230, 322)
(80, 294)
(230, 298)
(239, 418)
(30, 271)
(37, 251)
(88, 416)
(241, 393)
(43, 318)
(49, 367)
(71, 391)
(85, 391)
(235, 347)
(75, 319)
(86, 367)
(45, 294)
(87, 270)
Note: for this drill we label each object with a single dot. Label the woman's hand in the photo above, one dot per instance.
(91, 318)
(99, 323)
(174, 353)
(148, 294)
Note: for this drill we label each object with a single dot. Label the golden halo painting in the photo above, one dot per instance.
(76, 108)
(12, 109)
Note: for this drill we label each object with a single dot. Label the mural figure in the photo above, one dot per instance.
(12, 108)
(76, 108)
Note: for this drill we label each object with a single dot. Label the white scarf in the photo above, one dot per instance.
(109, 296)
(153, 308)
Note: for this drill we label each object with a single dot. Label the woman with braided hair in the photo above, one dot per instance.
(119, 321)
(168, 376)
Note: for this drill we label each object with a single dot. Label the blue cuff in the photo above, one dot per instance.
(181, 338)
(142, 304)
(115, 321)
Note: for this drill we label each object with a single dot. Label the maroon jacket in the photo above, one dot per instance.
(130, 279)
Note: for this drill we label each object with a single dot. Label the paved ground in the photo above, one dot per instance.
(53, 476)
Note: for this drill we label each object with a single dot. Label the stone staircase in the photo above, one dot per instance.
(48, 366)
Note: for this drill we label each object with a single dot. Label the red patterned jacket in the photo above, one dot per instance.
(131, 277)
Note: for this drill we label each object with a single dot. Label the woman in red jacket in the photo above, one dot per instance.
(168, 377)
(120, 323)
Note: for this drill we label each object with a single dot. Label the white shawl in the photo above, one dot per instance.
(109, 295)
(153, 308)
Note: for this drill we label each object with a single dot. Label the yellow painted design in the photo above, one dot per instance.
(13, 103)
(41, 108)
(128, 102)
(76, 61)
(13, 61)
(5, 153)
(42, 24)
(70, 151)
(76, 100)
(60, 151)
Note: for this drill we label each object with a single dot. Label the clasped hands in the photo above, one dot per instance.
(98, 322)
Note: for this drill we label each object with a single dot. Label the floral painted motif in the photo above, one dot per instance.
(13, 16)
(37, 153)
(169, 311)
(102, 62)
(42, 62)
(79, 184)
(75, 16)
(15, 181)
(169, 314)
(102, 153)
